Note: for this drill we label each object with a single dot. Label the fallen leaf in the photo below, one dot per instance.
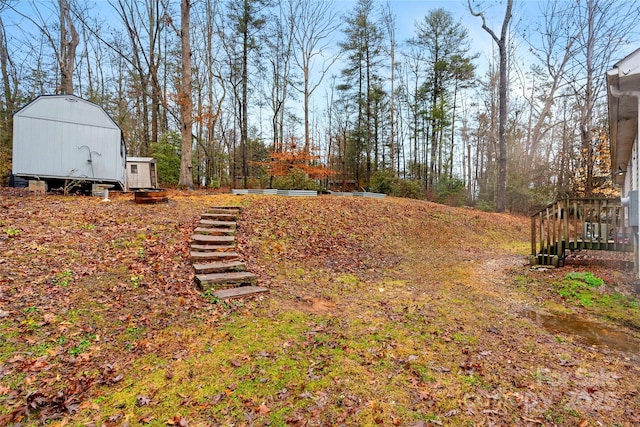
(146, 419)
(263, 409)
(179, 421)
(142, 401)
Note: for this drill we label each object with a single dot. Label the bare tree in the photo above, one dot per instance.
(314, 22)
(244, 19)
(7, 105)
(280, 53)
(69, 40)
(210, 91)
(185, 101)
(412, 81)
(64, 46)
(390, 26)
(145, 59)
(501, 42)
(607, 25)
(556, 39)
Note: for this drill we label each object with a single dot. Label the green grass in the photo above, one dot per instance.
(62, 278)
(11, 231)
(580, 288)
(590, 291)
(286, 355)
(83, 345)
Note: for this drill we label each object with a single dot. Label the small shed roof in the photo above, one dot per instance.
(623, 92)
(141, 159)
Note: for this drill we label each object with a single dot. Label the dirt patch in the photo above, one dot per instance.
(313, 305)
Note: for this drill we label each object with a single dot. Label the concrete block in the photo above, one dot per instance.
(39, 187)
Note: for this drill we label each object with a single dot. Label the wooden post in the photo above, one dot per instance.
(548, 248)
(540, 233)
(575, 224)
(566, 225)
(533, 235)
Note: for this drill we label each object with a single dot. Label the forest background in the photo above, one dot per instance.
(400, 97)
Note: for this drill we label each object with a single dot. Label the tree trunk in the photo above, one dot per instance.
(68, 44)
(587, 108)
(307, 130)
(501, 185)
(6, 116)
(186, 103)
(501, 194)
(6, 80)
(434, 145)
(392, 52)
(244, 128)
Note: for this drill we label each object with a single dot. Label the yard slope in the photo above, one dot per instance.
(381, 312)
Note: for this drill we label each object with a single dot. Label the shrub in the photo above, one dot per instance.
(296, 179)
(450, 191)
(485, 205)
(167, 155)
(408, 189)
(382, 182)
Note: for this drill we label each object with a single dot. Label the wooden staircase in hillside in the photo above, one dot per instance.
(578, 224)
(216, 262)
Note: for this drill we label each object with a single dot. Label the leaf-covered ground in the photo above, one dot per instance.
(381, 312)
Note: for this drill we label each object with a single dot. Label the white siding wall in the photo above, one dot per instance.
(630, 179)
(631, 183)
(141, 179)
(64, 136)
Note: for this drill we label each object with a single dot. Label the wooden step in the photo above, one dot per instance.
(219, 216)
(217, 211)
(212, 248)
(240, 291)
(216, 264)
(218, 280)
(213, 240)
(225, 208)
(219, 267)
(211, 223)
(150, 200)
(214, 256)
(215, 231)
(150, 196)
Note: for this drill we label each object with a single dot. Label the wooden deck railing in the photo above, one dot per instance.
(577, 224)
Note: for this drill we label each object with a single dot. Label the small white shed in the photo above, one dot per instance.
(64, 137)
(141, 173)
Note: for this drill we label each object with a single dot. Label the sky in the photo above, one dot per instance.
(407, 13)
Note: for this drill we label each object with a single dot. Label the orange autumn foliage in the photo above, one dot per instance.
(292, 157)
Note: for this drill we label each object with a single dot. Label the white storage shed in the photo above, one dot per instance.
(64, 137)
(141, 173)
